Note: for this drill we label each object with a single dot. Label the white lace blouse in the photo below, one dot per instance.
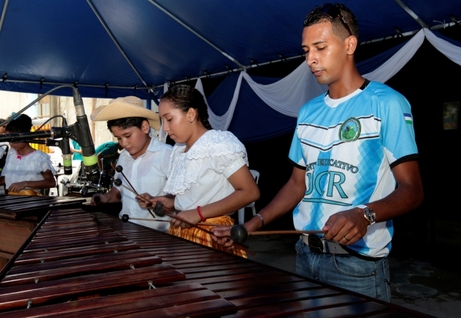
(26, 168)
(199, 176)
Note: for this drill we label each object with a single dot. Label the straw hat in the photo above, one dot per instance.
(123, 107)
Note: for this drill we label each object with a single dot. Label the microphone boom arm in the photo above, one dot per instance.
(79, 131)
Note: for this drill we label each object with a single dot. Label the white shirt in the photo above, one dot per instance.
(28, 167)
(200, 176)
(147, 173)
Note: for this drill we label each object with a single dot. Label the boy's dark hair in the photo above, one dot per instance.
(22, 123)
(127, 122)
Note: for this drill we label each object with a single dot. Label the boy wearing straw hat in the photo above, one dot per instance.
(143, 160)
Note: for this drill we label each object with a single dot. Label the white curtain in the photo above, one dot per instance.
(289, 94)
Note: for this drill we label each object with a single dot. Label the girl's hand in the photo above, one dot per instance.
(189, 216)
(17, 186)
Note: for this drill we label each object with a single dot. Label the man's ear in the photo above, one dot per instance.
(351, 45)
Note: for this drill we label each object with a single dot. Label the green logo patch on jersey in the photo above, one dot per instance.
(350, 130)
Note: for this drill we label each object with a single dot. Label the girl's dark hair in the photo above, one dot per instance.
(22, 123)
(185, 97)
(125, 123)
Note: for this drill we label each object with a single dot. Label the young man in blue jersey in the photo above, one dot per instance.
(355, 165)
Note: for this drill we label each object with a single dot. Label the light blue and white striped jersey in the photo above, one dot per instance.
(348, 147)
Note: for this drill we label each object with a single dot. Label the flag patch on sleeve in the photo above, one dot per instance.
(408, 118)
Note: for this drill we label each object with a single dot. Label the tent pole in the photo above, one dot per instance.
(240, 65)
(253, 65)
(5, 5)
(116, 42)
(10, 80)
(412, 14)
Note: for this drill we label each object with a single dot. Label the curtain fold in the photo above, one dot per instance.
(287, 95)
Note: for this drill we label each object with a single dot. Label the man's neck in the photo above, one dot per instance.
(347, 84)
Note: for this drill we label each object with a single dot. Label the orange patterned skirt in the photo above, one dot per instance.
(198, 236)
(25, 192)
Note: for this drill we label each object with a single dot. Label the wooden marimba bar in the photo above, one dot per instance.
(19, 216)
(82, 263)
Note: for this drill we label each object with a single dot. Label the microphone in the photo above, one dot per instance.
(66, 156)
(81, 130)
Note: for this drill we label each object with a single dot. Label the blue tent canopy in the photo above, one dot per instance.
(124, 47)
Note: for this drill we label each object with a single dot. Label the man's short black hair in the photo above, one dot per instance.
(341, 17)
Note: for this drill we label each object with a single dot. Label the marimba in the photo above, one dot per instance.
(19, 216)
(79, 263)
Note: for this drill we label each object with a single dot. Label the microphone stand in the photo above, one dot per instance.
(59, 136)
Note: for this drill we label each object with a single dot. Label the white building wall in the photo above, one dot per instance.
(13, 102)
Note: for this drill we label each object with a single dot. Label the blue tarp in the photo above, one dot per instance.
(124, 47)
(121, 47)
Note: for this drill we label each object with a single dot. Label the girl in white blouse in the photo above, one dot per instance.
(208, 177)
(26, 170)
